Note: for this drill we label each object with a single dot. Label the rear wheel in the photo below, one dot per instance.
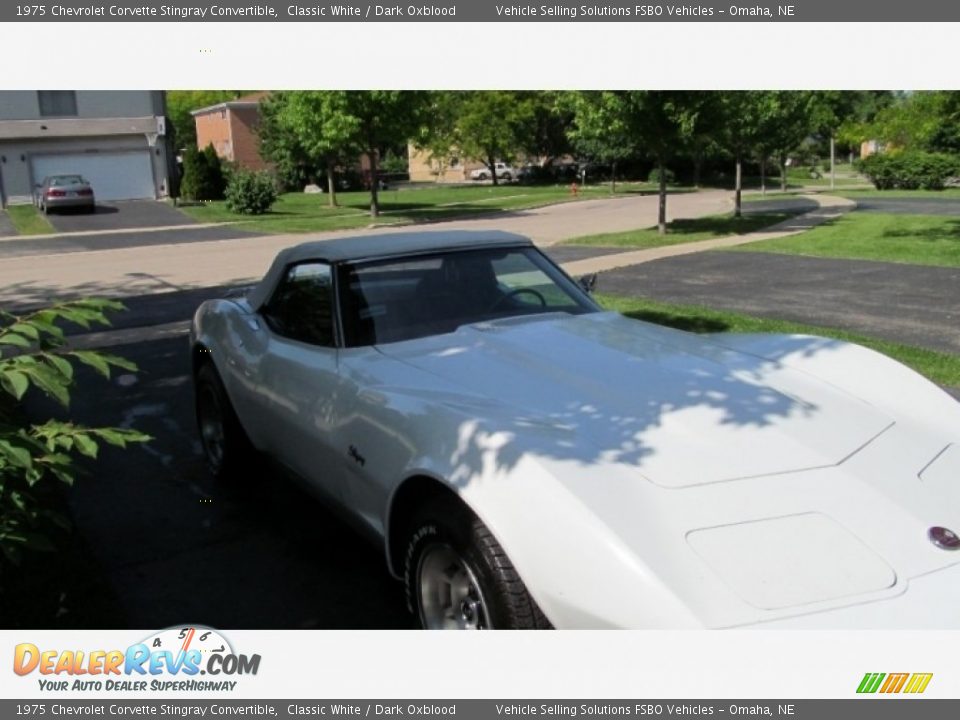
(458, 577)
(226, 447)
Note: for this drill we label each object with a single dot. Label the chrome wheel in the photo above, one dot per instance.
(212, 432)
(450, 596)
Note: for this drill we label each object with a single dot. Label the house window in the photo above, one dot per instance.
(57, 103)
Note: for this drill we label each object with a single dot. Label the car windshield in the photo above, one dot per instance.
(404, 298)
(61, 180)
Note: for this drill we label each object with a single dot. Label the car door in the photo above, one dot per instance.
(299, 371)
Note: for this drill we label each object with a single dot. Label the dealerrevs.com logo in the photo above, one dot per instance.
(892, 683)
(170, 660)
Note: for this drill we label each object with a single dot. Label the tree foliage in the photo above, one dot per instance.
(203, 177)
(303, 132)
(494, 125)
(34, 355)
(309, 133)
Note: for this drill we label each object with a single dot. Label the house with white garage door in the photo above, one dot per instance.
(116, 139)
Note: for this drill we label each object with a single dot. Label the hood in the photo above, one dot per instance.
(679, 408)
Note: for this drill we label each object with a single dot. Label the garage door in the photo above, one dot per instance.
(114, 176)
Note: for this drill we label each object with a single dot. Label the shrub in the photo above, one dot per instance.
(654, 176)
(911, 170)
(202, 175)
(251, 193)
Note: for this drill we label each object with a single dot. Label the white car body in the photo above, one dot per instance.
(503, 170)
(637, 476)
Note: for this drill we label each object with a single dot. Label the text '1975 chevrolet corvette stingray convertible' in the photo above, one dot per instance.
(526, 459)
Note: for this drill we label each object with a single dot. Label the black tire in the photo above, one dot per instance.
(230, 456)
(507, 177)
(446, 529)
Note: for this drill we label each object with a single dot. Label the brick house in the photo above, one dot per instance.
(231, 127)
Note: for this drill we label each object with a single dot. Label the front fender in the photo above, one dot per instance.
(866, 374)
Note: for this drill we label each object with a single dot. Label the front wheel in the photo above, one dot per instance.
(225, 444)
(458, 577)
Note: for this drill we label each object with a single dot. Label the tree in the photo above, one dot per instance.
(600, 128)
(837, 109)
(925, 121)
(789, 117)
(438, 134)
(384, 118)
(312, 129)
(494, 125)
(202, 174)
(618, 124)
(744, 116)
(547, 137)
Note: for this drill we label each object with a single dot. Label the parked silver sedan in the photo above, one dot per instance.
(64, 191)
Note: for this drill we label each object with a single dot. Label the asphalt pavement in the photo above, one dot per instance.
(157, 542)
(910, 206)
(119, 214)
(911, 304)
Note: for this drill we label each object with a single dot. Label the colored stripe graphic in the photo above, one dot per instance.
(895, 682)
(918, 682)
(870, 682)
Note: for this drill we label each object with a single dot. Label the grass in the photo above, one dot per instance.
(685, 231)
(28, 220)
(941, 368)
(952, 193)
(914, 239)
(300, 212)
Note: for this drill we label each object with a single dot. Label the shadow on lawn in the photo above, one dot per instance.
(690, 323)
(947, 230)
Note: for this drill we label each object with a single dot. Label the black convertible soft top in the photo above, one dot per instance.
(383, 245)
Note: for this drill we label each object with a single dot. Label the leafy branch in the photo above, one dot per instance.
(34, 354)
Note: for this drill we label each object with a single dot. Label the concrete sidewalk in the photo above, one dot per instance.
(127, 271)
(829, 208)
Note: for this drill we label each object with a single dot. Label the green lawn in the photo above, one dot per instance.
(915, 239)
(300, 212)
(952, 193)
(941, 368)
(684, 231)
(28, 220)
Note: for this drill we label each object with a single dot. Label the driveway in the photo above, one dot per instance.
(118, 215)
(910, 304)
(910, 206)
(157, 542)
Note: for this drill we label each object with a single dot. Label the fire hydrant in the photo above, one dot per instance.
(574, 189)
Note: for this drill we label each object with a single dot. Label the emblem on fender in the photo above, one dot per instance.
(944, 538)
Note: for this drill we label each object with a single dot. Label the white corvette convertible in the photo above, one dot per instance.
(527, 460)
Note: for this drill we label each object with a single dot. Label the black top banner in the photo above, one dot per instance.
(479, 11)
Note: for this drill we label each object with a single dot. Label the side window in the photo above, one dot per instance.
(302, 305)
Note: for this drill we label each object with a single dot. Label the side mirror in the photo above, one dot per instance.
(588, 283)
